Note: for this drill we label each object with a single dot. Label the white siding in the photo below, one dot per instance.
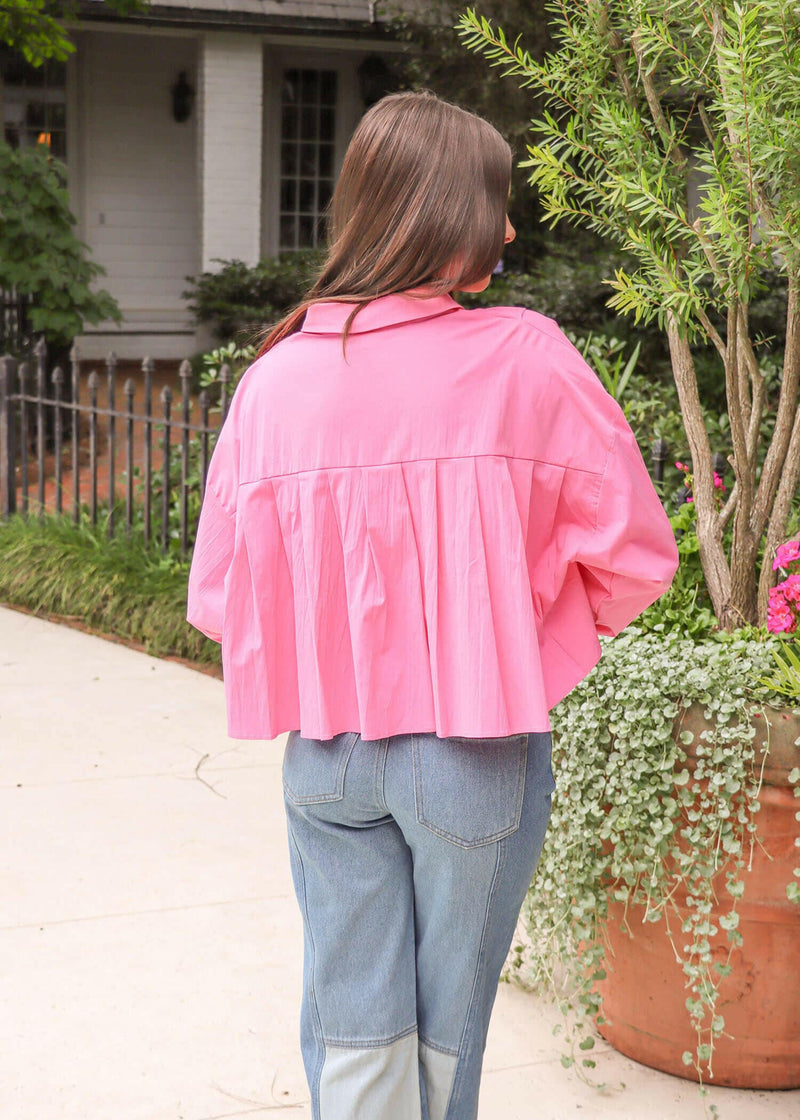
(138, 186)
(230, 154)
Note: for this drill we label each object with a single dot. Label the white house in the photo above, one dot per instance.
(199, 130)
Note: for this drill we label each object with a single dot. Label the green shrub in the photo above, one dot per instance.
(566, 283)
(206, 368)
(114, 586)
(239, 301)
(40, 256)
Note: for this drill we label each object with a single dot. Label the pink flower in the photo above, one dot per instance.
(690, 498)
(681, 467)
(791, 589)
(781, 619)
(719, 484)
(785, 624)
(783, 612)
(786, 554)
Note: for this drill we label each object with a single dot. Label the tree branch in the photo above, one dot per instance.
(713, 334)
(672, 149)
(736, 412)
(728, 510)
(709, 131)
(786, 414)
(708, 252)
(617, 49)
(709, 528)
(757, 388)
(744, 166)
(756, 413)
(745, 362)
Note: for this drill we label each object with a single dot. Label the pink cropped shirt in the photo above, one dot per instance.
(425, 532)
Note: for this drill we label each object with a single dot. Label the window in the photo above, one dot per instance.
(34, 103)
(308, 130)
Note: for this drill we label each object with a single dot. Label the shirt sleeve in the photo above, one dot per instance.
(613, 536)
(211, 559)
(630, 558)
(216, 532)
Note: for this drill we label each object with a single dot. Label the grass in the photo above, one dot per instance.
(114, 587)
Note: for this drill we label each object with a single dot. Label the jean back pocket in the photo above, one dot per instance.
(469, 791)
(314, 769)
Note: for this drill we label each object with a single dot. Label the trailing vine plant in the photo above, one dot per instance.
(635, 821)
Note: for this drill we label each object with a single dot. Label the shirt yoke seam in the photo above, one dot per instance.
(428, 459)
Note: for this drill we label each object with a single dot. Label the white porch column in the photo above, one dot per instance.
(231, 81)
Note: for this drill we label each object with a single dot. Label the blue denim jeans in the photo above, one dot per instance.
(411, 857)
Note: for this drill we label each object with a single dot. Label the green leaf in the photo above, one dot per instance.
(53, 267)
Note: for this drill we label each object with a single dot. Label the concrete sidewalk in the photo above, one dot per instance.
(150, 944)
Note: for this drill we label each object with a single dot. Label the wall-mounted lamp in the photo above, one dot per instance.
(182, 98)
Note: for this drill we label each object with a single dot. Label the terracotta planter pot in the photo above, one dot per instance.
(645, 991)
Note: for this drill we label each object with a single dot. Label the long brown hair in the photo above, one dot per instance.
(421, 200)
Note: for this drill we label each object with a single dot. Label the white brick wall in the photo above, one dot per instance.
(230, 101)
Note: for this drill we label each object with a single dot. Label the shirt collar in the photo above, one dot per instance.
(385, 311)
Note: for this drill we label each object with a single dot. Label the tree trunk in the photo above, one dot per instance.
(709, 528)
(743, 606)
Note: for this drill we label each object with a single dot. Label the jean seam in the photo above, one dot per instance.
(313, 799)
(417, 799)
(483, 842)
(315, 1017)
(521, 775)
(380, 772)
(439, 1049)
(371, 1043)
(478, 978)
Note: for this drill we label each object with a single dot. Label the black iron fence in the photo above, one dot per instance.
(142, 465)
(15, 330)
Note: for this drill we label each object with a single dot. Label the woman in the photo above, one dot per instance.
(417, 521)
